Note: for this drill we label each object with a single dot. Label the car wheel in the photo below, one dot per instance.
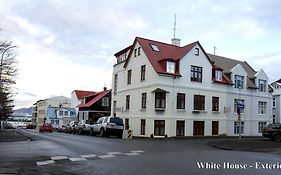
(101, 132)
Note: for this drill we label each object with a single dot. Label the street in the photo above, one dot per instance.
(60, 153)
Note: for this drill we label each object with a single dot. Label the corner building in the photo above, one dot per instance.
(162, 89)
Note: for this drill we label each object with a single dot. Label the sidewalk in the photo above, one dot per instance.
(10, 135)
(248, 144)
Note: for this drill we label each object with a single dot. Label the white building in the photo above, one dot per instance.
(161, 90)
(276, 107)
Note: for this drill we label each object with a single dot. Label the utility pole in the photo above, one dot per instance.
(239, 113)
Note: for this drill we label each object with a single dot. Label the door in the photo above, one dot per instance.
(215, 128)
(198, 128)
(180, 128)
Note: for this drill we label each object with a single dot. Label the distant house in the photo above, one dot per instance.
(58, 116)
(40, 108)
(162, 89)
(276, 102)
(77, 97)
(95, 105)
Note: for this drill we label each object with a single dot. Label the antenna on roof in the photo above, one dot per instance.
(175, 41)
(215, 50)
(175, 24)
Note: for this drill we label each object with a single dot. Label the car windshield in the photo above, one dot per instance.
(116, 120)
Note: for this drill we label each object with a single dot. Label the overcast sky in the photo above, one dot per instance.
(65, 45)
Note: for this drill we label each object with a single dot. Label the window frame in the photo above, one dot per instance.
(180, 100)
(143, 100)
(236, 127)
(129, 77)
(161, 98)
(115, 84)
(218, 75)
(143, 122)
(199, 102)
(127, 102)
(143, 70)
(170, 67)
(261, 126)
(262, 85)
(241, 101)
(196, 73)
(159, 127)
(239, 81)
(262, 107)
(196, 51)
(215, 104)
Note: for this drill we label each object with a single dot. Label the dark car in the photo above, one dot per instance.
(30, 126)
(46, 127)
(272, 131)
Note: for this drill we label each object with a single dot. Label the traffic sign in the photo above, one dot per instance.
(240, 106)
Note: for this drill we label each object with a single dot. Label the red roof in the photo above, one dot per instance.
(82, 94)
(166, 52)
(96, 97)
(278, 81)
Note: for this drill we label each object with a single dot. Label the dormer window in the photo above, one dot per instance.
(170, 67)
(154, 48)
(262, 85)
(218, 75)
(239, 82)
(197, 51)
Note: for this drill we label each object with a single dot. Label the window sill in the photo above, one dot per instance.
(181, 110)
(143, 109)
(198, 111)
(159, 109)
(126, 110)
(216, 112)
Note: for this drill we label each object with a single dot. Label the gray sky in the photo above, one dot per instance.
(65, 45)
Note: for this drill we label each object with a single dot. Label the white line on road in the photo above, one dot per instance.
(59, 157)
(88, 156)
(106, 156)
(132, 154)
(114, 153)
(76, 159)
(138, 151)
(45, 162)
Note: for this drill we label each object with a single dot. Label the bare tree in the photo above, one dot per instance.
(8, 71)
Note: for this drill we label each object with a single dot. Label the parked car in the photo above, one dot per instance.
(107, 126)
(71, 126)
(46, 127)
(62, 128)
(272, 131)
(83, 127)
(8, 126)
(30, 126)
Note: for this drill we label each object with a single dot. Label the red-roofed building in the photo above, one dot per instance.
(170, 90)
(94, 105)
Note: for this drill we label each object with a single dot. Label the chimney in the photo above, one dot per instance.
(176, 42)
(104, 88)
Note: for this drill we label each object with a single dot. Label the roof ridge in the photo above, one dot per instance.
(165, 43)
(226, 57)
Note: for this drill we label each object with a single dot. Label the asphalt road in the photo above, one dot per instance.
(60, 153)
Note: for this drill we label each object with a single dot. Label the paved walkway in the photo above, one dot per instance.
(10, 135)
(259, 144)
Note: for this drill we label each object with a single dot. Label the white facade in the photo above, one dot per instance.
(276, 107)
(172, 85)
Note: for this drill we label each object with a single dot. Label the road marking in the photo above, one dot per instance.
(76, 159)
(138, 151)
(45, 162)
(59, 157)
(132, 154)
(114, 153)
(106, 156)
(89, 156)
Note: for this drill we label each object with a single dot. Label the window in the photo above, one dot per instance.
(215, 102)
(115, 83)
(170, 67)
(262, 107)
(261, 126)
(240, 102)
(197, 51)
(127, 126)
(143, 100)
(160, 99)
(142, 72)
(159, 127)
(199, 102)
(154, 48)
(61, 113)
(55, 122)
(114, 107)
(142, 126)
(127, 101)
(262, 85)
(180, 101)
(218, 75)
(135, 52)
(105, 101)
(129, 77)
(274, 102)
(196, 73)
(65, 113)
(273, 119)
(138, 50)
(239, 81)
(236, 127)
